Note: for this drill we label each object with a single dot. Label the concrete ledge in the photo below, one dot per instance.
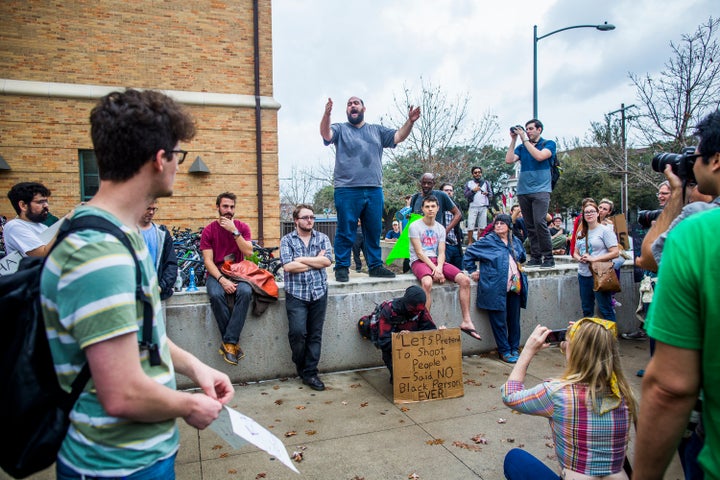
(553, 301)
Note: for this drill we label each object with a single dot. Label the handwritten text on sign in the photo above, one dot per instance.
(427, 365)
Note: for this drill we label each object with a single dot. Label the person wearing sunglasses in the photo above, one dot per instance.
(591, 406)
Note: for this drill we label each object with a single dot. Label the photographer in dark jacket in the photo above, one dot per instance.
(160, 244)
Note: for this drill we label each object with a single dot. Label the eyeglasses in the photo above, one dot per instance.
(589, 212)
(40, 202)
(307, 217)
(663, 194)
(151, 209)
(477, 171)
(181, 154)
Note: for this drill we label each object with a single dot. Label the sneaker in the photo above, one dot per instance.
(548, 263)
(381, 271)
(534, 262)
(231, 353)
(639, 336)
(508, 358)
(342, 274)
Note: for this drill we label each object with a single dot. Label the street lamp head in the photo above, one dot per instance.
(606, 27)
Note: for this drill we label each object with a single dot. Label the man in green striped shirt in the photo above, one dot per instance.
(123, 424)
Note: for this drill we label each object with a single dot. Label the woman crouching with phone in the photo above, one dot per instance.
(590, 407)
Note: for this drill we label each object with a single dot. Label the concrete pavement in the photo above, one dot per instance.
(353, 430)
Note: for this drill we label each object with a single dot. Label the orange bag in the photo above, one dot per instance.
(249, 272)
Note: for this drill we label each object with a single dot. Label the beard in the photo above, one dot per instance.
(356, 120)
(37, 217)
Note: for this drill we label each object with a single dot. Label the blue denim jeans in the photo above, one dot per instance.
(520, 465)
(305, 326)
(229, 323)
(366, 204)
(506, 325)
(453, 255)
(588, 297)
(164, 469)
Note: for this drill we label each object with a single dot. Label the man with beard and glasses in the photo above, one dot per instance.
(305, 254)
(358, 181)
(227, 239)
(22, 234)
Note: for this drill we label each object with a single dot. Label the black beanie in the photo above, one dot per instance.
(413, 296)
(505, 218)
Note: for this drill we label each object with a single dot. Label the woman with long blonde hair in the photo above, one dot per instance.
(590, 407)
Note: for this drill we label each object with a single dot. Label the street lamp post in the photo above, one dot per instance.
(624, 199)
(604, 27)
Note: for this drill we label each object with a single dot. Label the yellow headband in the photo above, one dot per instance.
(611, 326)
(608, 324)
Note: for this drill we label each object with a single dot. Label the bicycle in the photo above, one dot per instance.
(266, 260)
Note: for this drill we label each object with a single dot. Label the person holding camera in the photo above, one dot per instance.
(534, 187)
(684, 316)
(478, 193)
(591, 407)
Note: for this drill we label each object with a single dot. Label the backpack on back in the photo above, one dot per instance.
(555, 170)
(33, 406)
(368, 325)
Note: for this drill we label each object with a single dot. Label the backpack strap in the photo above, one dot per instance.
(95, 222)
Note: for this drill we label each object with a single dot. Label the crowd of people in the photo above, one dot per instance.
(591, 407)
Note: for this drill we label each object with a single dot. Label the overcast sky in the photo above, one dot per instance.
(479, 48)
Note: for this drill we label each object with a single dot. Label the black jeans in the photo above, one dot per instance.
(534, 207)
(305, 325)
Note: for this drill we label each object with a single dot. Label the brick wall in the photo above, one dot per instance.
(201, 46)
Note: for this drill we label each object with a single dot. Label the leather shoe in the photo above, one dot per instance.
(315, 383)
(231, 353)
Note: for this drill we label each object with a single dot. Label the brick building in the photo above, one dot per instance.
(215, 57)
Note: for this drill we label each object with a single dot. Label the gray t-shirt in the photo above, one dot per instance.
(358, 153)
(430, 238)
(599, 241)
(687, 210)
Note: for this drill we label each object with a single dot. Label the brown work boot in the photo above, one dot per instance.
(231, 353)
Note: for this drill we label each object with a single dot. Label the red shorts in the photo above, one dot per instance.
(420, 269)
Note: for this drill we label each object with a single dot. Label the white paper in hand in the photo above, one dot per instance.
(250, 430)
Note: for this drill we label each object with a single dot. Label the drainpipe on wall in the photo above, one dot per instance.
(258, 122)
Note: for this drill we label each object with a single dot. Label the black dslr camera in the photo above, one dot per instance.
(516, 127)
(682, 163)
(646, 217)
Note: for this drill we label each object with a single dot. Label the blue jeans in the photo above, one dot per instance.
(520, 465)
(366, 204)
(506, 325)
(588, 297)
(229, 323)
(534, 207)
(164, 469)
(453, 255)
(305, 325)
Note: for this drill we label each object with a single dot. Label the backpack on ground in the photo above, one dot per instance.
(34, 409)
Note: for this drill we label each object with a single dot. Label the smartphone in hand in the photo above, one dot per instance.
(556, 336)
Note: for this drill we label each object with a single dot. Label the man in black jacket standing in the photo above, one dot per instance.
(160, 245)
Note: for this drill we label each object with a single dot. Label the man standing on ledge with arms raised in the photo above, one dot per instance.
(534, 187)
(123, 425)
(358, 181)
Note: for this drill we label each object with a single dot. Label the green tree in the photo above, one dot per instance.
(324, 199)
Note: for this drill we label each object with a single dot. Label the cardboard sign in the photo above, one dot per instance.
(621, 230)
(427, 365)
